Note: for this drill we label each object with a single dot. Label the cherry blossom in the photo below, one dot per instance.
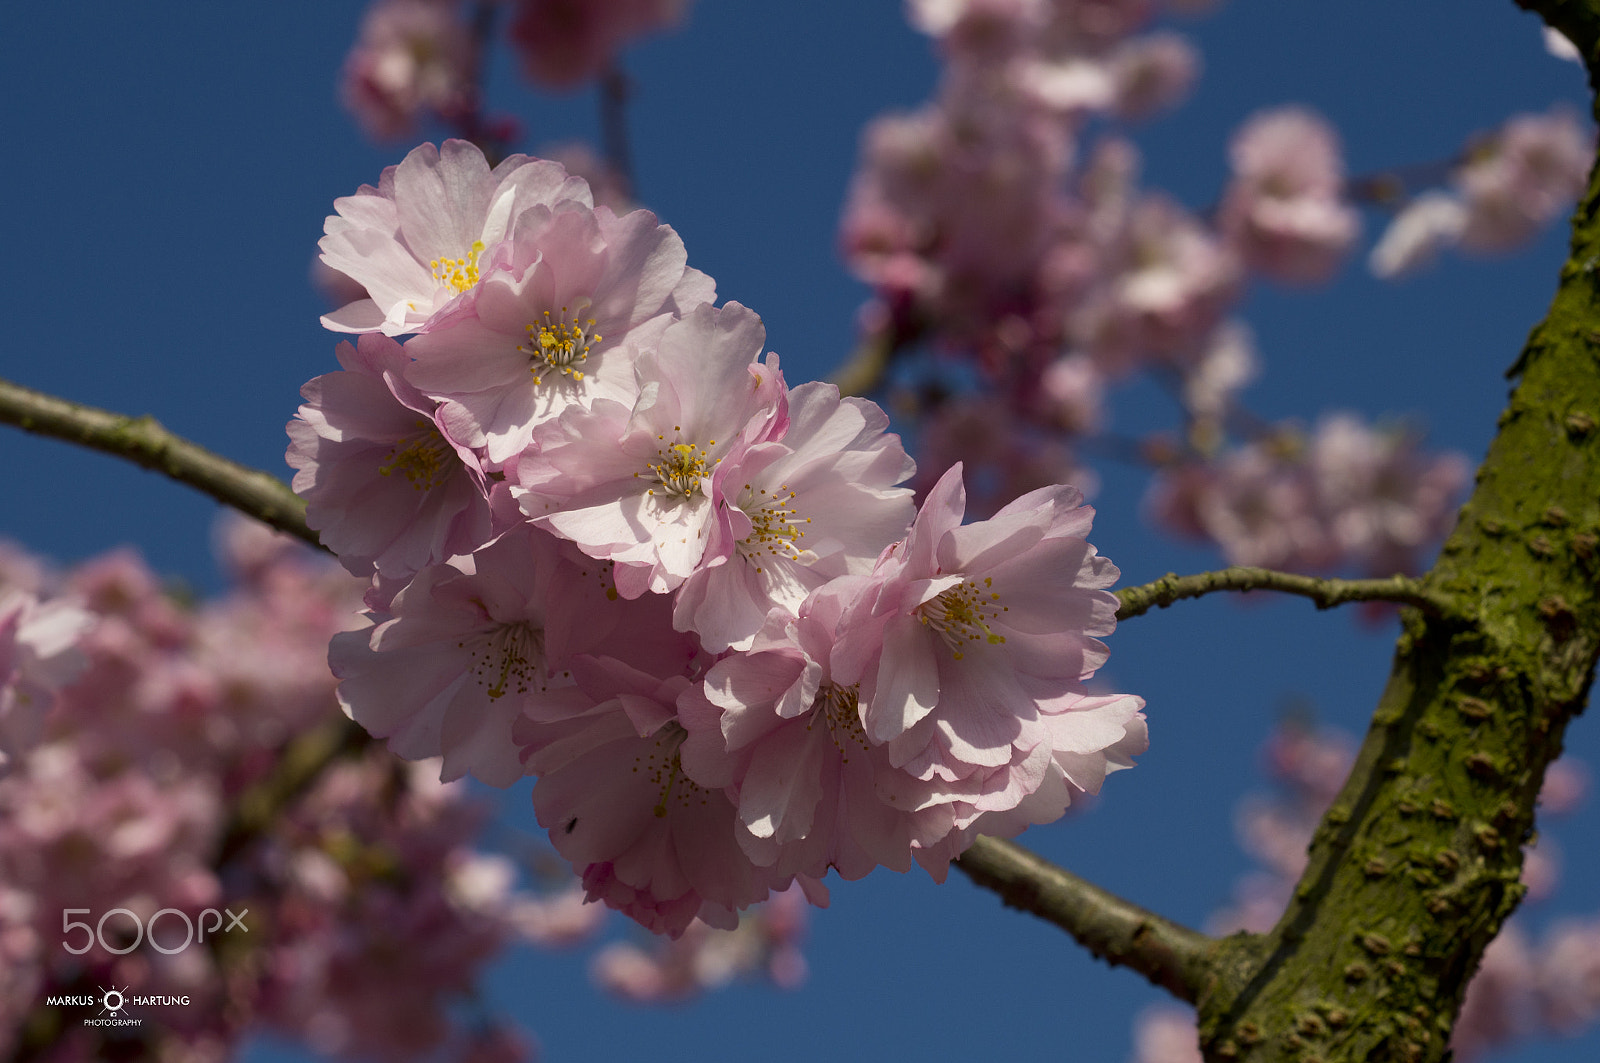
(467, 648)
(987, 637)
(557, 326)
(383, 484)
(1285, 209)
(39, 654)
(819, 503)
(420, 241)
(411, 59)
(637, 486)
(644, 836)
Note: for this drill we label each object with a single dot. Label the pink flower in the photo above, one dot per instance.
(817, 504)
(384, 486)
(412, 58)
(39, 654)
(1227, 365)
(766, 941)
(645, 837)
(1568, 978)
(1522, 177)
(1255, 502)
(783, 735)
(421, 240)
(1074, 394)
(1285, 209)
(467, 650)
(1152, 74)
(1432, 221)
(561, 920)
(987, 637)
(1383, 500)
(558, 326)
(1175, 283)
(638, 487)
(1498, 1006)
(1165, 1034)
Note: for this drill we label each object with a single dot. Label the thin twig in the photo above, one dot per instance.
(1121, 933)
(864, 371)
(143, 441)
(1326, 593)
(614, 91)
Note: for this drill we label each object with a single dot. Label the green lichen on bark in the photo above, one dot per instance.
(1418, 862)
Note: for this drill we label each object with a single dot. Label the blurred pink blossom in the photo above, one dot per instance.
(411, 60)
(1285, 209)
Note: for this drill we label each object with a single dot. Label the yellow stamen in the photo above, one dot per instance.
(458, 274)
(559, 345)
(961, 613)
(679, 469)
(776, 526)
(425, 458)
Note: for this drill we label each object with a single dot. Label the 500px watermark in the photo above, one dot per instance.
(143, 929)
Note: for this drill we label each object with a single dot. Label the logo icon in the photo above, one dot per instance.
(112, 1001)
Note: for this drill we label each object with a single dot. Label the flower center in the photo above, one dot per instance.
(556, 345)
(458, 274)
(510, 659)
(679, 468)
(775, 525)
(961, 615)
(425, 458)
(663, 766)
(839, 707)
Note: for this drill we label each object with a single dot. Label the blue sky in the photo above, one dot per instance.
(171, 167)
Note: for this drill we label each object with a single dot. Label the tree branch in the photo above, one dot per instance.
(1577, 20)
(143, 441)
(1121, 933)
(1418, 861)
(864, 370)
(1325, 593)
(615, 88)
(300, 763)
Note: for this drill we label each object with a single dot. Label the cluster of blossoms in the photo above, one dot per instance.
(1509, 184)
(765, 943)
(1349, 495)
(1520, 989)
(1003, 224)
(125, 802)
(611, 547)
(988, 229)
(417, 60)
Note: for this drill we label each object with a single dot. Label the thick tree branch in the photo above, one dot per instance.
(143, 441)
(1121, 933)
(1326, 593)
(1418, 861)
